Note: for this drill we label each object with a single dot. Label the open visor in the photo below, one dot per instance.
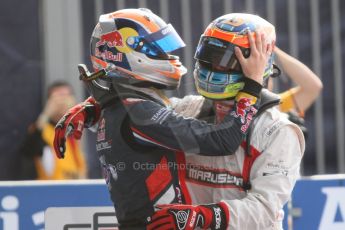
(157, 44)
(219, 55)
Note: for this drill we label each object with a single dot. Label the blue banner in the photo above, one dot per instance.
(22, 205)
(317, 203)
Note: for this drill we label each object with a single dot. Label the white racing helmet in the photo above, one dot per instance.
(133, 46)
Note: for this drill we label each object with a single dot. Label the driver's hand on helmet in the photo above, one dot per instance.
(260, 51)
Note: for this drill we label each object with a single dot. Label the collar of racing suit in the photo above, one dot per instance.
(267, 100)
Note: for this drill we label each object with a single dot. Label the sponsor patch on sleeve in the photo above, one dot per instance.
(276, 168)
(270, 130)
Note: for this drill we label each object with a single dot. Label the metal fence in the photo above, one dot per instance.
(310, 30)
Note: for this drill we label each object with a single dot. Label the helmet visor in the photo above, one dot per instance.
(219, 54)
(217, 85)
(157, 44)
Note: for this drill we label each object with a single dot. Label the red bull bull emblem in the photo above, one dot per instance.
(245, 111)
(111, 39)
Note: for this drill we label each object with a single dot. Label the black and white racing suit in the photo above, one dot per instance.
(138, 171)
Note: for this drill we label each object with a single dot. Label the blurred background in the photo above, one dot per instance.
(42, 41)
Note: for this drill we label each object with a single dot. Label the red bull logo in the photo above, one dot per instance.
(245, 111)
(111, 39)
(241, 108)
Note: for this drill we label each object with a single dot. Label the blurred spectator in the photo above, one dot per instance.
(39, 160)
(296, 100)
(308, 85)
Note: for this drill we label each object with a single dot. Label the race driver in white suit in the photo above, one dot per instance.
(248, 189)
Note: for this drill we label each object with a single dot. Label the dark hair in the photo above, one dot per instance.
(57, 84)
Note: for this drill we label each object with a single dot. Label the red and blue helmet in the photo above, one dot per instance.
(215, 52)
(138, 43)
